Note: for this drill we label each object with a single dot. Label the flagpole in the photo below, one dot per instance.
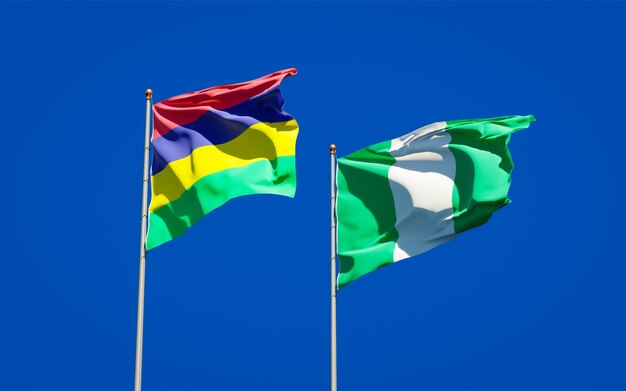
(142, 248)
(333, 273)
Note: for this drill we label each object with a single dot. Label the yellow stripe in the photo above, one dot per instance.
(261, 141)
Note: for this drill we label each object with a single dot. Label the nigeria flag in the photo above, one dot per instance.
(402, 197)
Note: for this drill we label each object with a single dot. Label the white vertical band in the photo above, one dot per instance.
(422, 182)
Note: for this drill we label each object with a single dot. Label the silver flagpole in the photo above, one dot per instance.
(333, 274)
(142, 249)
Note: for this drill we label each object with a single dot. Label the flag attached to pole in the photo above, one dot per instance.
(217, 144)
(402, 197)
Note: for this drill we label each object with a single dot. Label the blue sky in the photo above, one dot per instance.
(533, 300)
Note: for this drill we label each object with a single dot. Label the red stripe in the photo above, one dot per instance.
(186, 108)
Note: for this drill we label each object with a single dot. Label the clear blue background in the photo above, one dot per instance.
(534, 300)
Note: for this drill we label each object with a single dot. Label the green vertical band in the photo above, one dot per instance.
(483, 167)
(366, 214)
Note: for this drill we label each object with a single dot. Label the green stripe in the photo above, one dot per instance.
(262, 177)
(483, 167)
(366, 217)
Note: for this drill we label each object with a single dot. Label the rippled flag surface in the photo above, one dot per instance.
(217, 144)
(402, 197)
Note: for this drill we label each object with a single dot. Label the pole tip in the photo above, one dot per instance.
(148, 94)
(333, 149)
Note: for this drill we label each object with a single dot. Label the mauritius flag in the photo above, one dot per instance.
(216, 144)
(402, 197)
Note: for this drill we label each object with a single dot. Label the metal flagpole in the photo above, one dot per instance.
(333, 273)
(142, 249)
